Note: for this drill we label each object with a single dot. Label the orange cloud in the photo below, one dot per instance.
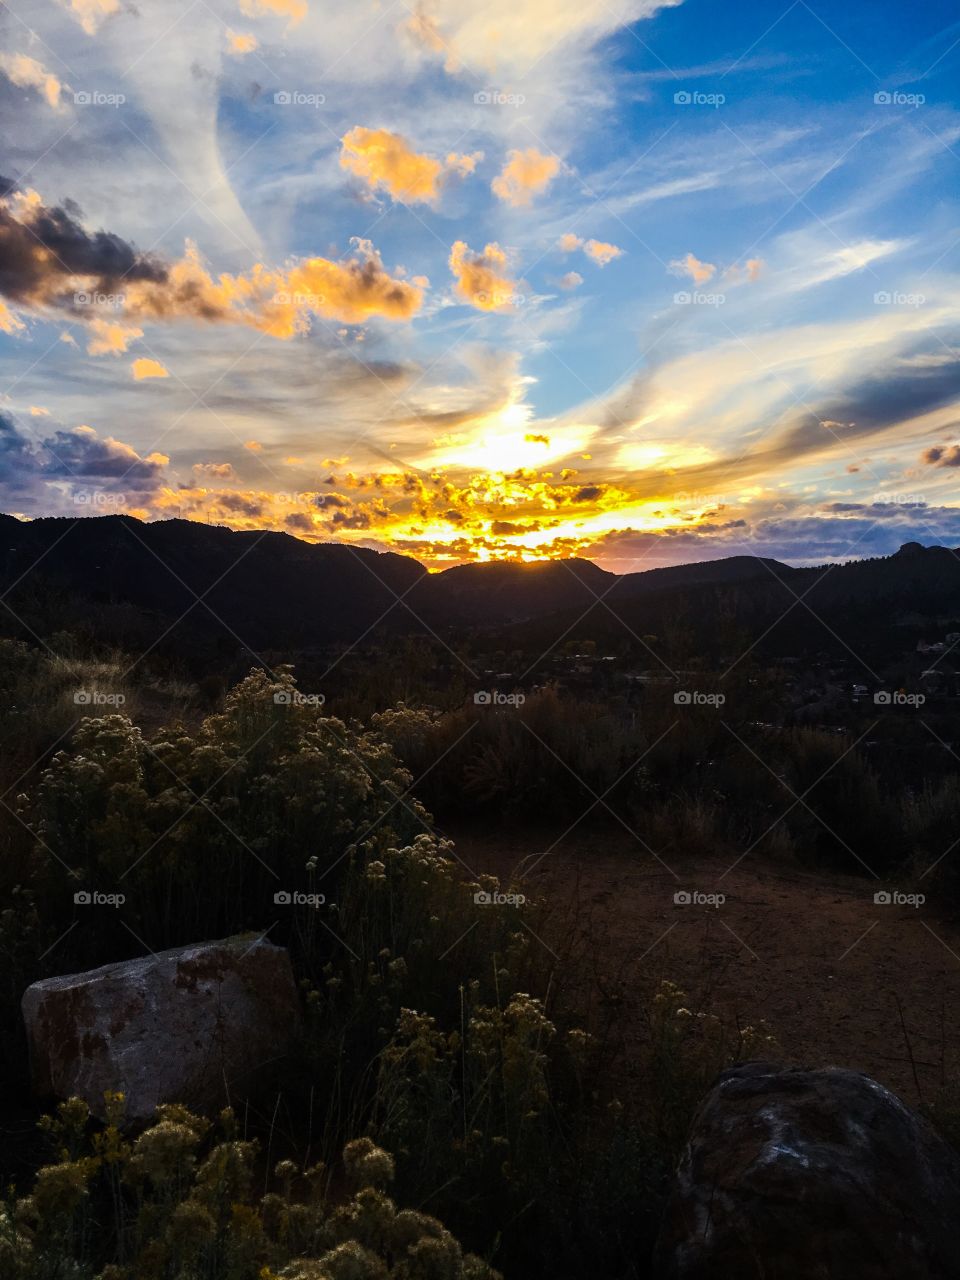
(110, 337)
(481, 278)
(9, 323)
(241, 42)
(423, 30)
(295, 10)
(525, 175)
(384, 159)
(750, 271)
(144, 368)
(600, 252)
(699, 272)
(279, 303)
(571, 280)
(27, 73)
(568, 242)
(90, 13)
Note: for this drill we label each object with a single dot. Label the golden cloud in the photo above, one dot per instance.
(423, 30)
(144, 368)
(525, 174)
(9, 323)
(48, 260)
(295, 10)
(90, 13)
(699, 272)
(481, 278)
(27, 73)
(110, 337)
(600, 252)
(387, 160)
(241, 42)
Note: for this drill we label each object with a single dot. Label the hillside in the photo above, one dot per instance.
(207, 589)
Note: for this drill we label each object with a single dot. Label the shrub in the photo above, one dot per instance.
(178, 1202)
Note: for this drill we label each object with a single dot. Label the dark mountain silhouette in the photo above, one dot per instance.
(186, 587)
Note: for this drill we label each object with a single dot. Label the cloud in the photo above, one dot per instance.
(571, 280)
(525, 174)
(110, 337)
(27, 73)
(424, 31)
(45, 251)
(481, 278)
(295, 10)
(49, 260)
(215, 470)
(9, 323)
(241, 42)
(942, 456)
(144, 368)
(56, 472)
(91, 13)
(597, 250)
(699, 272)
(386, 160)
(600, 252)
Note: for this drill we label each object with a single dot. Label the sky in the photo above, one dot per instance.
(646, 283)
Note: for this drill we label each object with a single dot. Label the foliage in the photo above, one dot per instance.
(178, 1203)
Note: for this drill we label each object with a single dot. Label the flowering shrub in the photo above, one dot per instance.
(199, 829)
(178, 1203)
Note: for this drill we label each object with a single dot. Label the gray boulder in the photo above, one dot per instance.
(190, 1025)
(810, 1175)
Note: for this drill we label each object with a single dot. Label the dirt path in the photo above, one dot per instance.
(840, 979)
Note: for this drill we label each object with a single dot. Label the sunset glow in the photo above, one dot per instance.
(635, 282)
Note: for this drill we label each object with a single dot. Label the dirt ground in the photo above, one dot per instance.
(840, 979)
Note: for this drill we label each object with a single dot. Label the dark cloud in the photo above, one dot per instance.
(41, 253)
(36, 472)
(942, 455)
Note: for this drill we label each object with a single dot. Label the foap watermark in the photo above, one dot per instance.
(94, 298)
(488, 898)
(899, 500)
(97, 498)
(695, 298)
(494, 300)
(94, 898)
(296, 98)
(294, 698)
(898, 698)
(687, 498)
(494, 98)
(696, 698)
(297, 898)
(893, 298)
(894, 98)
(894, 898)
(695, 898)
(98, 98)
(494, 698)
(694, 98)
(313, 301)
(97, 698)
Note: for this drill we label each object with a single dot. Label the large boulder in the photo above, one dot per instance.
(810, 1175)
(191, 1025)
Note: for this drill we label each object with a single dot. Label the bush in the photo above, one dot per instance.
(178, 1202)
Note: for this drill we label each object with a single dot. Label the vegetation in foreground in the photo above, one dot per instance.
(511, 1108)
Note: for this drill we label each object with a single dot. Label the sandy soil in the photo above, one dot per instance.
(840, 979)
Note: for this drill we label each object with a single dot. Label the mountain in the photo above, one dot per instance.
(199, 589)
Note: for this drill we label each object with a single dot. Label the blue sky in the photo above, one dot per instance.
(646, 283)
